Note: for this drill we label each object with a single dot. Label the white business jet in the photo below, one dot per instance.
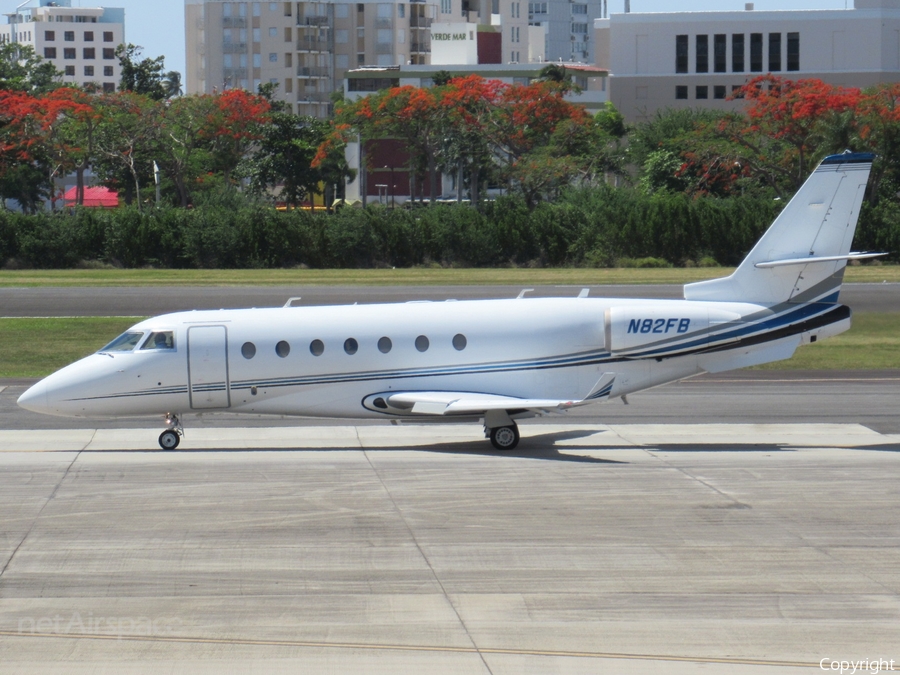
(490, 360)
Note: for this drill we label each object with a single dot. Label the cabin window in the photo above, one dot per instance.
(422, 343)
(351, 346)
(459, 342)
(316, 347)
(384, 345)
(124, 343)
(282, 349)
(248, 350)
(163, 339)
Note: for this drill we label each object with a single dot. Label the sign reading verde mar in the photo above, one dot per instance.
(448, 36)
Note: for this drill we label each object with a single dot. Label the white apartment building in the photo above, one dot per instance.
(303, 47)
(695, 59)
(566, 28)
(79, 41)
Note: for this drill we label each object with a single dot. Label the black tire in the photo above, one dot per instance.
(169, 440)
(505, 438)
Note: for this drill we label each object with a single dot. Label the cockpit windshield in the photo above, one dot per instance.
(162, 339)
(124, 343)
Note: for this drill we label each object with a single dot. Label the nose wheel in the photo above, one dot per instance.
(171, 437)
(505, 438)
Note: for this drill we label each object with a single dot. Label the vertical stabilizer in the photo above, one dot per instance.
(801, 257)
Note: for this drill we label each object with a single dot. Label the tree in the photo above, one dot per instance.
(141, 76)
(172, 84)
(21, 69)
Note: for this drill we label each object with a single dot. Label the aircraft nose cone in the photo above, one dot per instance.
(35, 398)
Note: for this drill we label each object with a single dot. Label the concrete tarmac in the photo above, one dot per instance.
(728, 548)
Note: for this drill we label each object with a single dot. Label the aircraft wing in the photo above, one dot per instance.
(460, 403)
(474, 403)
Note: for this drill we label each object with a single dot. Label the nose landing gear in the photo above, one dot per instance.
(171, 437)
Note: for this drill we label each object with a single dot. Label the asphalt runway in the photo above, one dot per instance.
(150, 301)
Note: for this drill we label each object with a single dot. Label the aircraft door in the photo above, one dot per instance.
(208, 367)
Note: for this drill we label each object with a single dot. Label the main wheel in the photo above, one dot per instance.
(505, 438)
(169, 439)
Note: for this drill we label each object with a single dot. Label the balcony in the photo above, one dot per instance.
(313, 71)
(234, 73)
(234, 22)
(384, 22)
(313, 97)
(419, 22)
(234, 47)
(419, 48)
(312, 20)
(386, 48)
(312, 43)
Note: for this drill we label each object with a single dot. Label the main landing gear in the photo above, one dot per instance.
(504, 438)
(171, 437)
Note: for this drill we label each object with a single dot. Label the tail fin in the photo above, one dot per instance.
(802, 256)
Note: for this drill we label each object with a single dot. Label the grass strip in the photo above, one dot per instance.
(37, 347)
(414, 276)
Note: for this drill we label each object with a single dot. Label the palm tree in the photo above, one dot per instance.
(172, 84)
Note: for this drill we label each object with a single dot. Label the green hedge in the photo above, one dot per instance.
(597, 227)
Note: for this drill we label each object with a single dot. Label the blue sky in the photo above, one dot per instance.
(158, 25)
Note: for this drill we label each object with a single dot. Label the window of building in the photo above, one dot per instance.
(256, 9)
(108, 36)
(720, 53)
(242, 9)
(273, 32)
(360, 59)
(243, 58)
(257, 60)
(50, 35)
(49, 52)
(69, 53)
(579, 28)
(702, 53)
(109, 87)
(288, 60)
(756, 52)
(273, 6)
(108, 71)
(736, 91)
(719, 91)
(579, 9)
(702, 91)
(737, 53)
(69, 36)
(88, 36)
(70, 71)
(228, 61)
(89, 71)
(401, 10)
(341, 36)
(341, 61)
(89, 53)
(793, 51)
(109, 53)
(256, 35)
(681, 53)
(681, 91)
(341, 10)
(446, 6)
(774, 52)
(273, 57)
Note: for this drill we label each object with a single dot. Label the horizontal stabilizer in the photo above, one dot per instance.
(818, 259)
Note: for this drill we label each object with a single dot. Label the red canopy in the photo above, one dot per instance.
(94, 196)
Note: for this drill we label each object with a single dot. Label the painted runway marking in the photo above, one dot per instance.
(418, 648)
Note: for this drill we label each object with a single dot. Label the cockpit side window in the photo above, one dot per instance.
(162, 339)
(124, 343)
